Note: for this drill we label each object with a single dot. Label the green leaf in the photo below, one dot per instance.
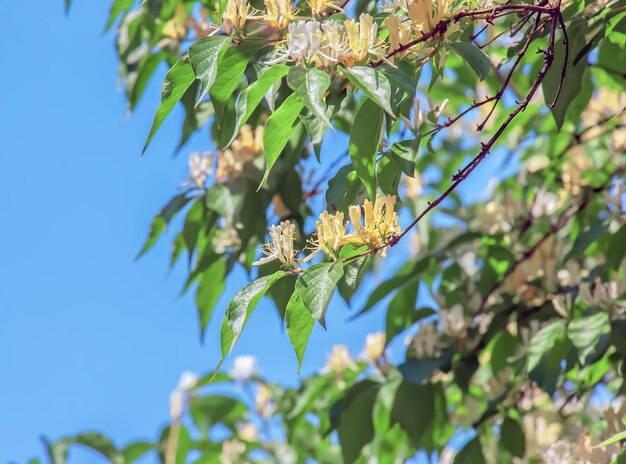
(116, 9)
(343, 189)
(230, 70)
(210, 287)
(161, 220)
(193, 225)
(374, 84)
(573, 79)
(278, 130)
(513, 437)
(136, 450)
(147, 67)
(204, 56)
(401, 308)
(241, 307)
(617, 248)
(418, 371)
(472, 453)
(585, 333)
(614, 439)
(252, 95)
(351, 269)
(207, 411)
(365, 137)
(585, 239)
(388, 175)
(356, 427)
(316, 287)
(473, 56)
(311, 85)
(542, 342)
(176, 83)
(300, 324)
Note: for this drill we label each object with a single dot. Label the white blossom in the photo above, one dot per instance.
(243, 368)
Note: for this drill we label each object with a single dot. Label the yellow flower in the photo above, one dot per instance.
(339, 360)
(374, 347)
(319, 7)
(380, 222)
(278, 13)
(362, 38)
(330, 235)
(175, 28)
(248, 432)
(398, 32)
(280, 246)
(237, 12)
(247, 146)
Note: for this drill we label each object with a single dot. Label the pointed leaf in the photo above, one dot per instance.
(230, 70)
(311, 85)
(474, 56)
(373, 83)
(365, 137)
(203, 56)
(240, 309)
(316, 287)
(252, 95)
(210, 287)
(176, 83)
(278, 130)
(300, 324)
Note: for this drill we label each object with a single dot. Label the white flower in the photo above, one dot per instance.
(545, 204)
(374, 347)
(425, 343)
(243, 368)
(339, 360)
(180, 396)
(200, 167)
(188, 380)
(452, 320)
(280, 246)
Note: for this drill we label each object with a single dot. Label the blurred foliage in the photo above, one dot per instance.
(513, 308)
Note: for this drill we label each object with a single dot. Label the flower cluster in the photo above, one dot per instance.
(326, 44)
(373, 224)
(231, 162)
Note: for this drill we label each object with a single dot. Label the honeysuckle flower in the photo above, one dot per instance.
(280, 246)
(425, 343)
(188, 380)
(420, 14)
(339, 360)
(278, 13)
(362, 38)
(244, 367)
(248, 432)
(264, 404)
(319, 7)
(200, 167)
(330, 235)
(374, 347)
(245, 148)
(380, 221)
(180, 395)
(334, 47)
(452, 320)
(236, 14)
(232, 450)
(399, 32)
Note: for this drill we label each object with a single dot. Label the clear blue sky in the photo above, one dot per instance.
(90, 339)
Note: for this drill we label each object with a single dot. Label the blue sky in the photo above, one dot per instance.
(90, 339)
